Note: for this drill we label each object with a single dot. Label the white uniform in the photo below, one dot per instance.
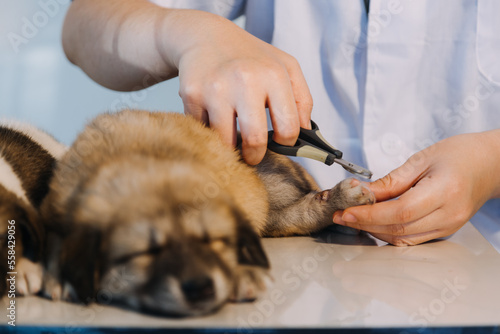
(389, 84)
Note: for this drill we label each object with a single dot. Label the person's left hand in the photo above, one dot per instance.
(439, 188)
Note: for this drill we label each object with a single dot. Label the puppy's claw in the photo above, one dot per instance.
(68, 293)
(51, 288)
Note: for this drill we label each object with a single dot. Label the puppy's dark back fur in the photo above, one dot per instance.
(33, 164)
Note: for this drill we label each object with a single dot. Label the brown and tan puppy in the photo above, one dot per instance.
(27, 159)
(154, 212)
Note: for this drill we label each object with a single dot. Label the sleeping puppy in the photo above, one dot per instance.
(153, 212)
(27, 158)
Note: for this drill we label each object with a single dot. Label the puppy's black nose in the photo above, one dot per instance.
(198, 289)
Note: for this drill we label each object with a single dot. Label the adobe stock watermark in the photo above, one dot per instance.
(11, 272)
(31, 26)
(427, 314)
(449, 118)
(203, 194)
(140, 92)
(291, 280)
(96, 136)
(378, 21)
(117, 281)
(460, 112)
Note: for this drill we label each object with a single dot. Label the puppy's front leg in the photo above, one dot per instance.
(250, 282)
(314, 211)
(52, 286)
(30, 275)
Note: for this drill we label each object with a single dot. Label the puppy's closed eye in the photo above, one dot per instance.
(220, 244)
(128, 257)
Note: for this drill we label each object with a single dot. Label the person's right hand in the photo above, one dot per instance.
(226, 73)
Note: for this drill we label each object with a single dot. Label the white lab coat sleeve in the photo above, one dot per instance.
(230, 9)
(488, 40)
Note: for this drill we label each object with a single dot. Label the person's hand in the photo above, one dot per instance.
(439, 190)
(225, 73)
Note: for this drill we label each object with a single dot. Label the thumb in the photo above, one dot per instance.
(396, 182)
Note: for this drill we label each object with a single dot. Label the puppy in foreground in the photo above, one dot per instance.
(152, 211)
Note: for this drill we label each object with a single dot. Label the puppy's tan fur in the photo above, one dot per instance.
(164, 217)
(114, 144)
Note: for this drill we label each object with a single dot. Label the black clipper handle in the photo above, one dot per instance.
(315, 137)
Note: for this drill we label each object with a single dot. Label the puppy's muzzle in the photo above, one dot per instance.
(198, 290)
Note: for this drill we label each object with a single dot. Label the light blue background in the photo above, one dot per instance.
(39, 85)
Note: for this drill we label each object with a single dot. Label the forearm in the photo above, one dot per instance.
(130, 45)
(115, 42)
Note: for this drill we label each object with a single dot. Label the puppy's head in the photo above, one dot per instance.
(155, 239)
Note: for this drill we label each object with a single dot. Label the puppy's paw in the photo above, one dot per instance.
(29, 277)
(356, 192)
(350, 192)
(250, 282)
(52, 288)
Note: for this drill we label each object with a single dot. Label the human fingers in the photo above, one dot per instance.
(193, 105)
(223, 120)
(301, 93)
(412, 239)
(253, 126)
(198, 113)
(433, 226)
(425, 229)
(432, 222)
(282, 108)
(399, 180)
(440, 223)
(414, 204)
(418, 216)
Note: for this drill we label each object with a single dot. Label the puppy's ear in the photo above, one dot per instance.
(81, 262)
(250, 251)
